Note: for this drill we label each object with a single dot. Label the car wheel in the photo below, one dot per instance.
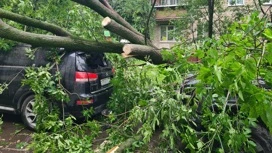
(262, 139)
(27, 112)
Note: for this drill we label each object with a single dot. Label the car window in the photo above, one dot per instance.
(41, 57)
(86, 62)
(15, 57)
(95, 60)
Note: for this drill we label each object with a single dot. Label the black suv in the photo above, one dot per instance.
(86, 76)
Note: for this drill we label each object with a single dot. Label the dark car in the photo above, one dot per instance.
(86, 77)
(260, 134)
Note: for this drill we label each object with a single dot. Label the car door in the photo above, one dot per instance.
(12, 65)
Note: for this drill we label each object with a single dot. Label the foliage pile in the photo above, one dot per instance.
(147, 99)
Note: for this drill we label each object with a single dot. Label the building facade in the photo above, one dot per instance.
(167, 11)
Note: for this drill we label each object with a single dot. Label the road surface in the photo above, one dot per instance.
(14, 137)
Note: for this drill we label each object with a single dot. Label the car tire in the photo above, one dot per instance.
(27, 112)
(262, 138)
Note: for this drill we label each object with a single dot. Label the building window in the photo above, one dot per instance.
(235, 2)
(267, 2)
(167, 33)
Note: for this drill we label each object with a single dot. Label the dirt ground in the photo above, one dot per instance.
(14, 137)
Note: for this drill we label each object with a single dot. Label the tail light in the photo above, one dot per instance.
(84, 102)
(85, 77)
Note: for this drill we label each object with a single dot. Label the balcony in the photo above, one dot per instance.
(169, 3)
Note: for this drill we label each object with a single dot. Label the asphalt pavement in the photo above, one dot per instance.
(14, 137)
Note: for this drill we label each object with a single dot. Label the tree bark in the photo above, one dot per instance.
(71, 43)
(34, 23)
(143, 52)
(106, 3)
(122, 31)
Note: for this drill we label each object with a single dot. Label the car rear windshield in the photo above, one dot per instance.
(89, 62)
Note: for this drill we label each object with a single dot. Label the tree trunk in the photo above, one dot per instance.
(143, 52)
(71, 43)
(123, 32)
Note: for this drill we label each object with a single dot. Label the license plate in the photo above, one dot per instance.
(105, 81)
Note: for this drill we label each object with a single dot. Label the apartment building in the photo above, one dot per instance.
(169, 10)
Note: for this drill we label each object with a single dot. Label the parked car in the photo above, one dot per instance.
(86, 77)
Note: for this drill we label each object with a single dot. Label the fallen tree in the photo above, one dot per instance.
(62, 38)
(141, 47)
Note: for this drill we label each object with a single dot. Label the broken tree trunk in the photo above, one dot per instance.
(122, 31)
(143, 52)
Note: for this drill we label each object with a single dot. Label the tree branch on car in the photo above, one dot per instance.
(42, 40)
(113, 22)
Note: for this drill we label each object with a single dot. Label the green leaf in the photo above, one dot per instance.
(218, 73)
(252, 143)
(268, 33)
(199, 144)
(240, 94)
(268, 53)
(142, 103)
(250, 65)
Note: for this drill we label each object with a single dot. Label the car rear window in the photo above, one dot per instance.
(88, 62)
